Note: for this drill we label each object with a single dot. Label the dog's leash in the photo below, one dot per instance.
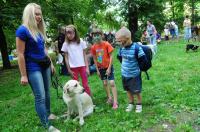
(56, 84)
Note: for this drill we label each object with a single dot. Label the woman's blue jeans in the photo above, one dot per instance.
(40, 84)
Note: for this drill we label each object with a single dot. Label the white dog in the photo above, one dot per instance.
(78, 102)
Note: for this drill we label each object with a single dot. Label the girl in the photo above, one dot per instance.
(75, 56)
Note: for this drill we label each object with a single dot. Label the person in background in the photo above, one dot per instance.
(75, 56)
(30, 43)
(158, 38)
(103, 59)
(152, 35)
(175, 26)
(172, 29)
(110, 38)
(166, 32)
(187, 28)
(144, 37)
(61, 40)
(91, 65)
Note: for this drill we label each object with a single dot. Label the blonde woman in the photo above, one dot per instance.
(30, 43)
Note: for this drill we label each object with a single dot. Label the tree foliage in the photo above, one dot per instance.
(83, 12)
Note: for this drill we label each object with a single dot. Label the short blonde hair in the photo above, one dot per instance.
(123, 32)
(30, 22)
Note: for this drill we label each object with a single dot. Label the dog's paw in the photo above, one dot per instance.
(81, 122)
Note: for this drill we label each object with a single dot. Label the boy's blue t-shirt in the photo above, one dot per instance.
(33, 49)
(130, 67)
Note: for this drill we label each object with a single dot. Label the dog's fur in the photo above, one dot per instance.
(78, 102)
(191, 47)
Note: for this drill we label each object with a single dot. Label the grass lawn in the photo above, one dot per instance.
(171, 99)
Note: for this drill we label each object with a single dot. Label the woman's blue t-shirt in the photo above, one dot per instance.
(33, 49)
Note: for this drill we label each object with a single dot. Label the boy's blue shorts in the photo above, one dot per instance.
(132, 84)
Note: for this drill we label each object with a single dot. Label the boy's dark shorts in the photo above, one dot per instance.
(104, 76)
(132, 84)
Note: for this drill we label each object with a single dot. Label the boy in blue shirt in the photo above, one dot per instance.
(131, 74)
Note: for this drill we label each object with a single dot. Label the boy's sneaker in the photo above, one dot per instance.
(129, 108)
(109, 101)
(115, 106)
(53, 129)
(138, 109)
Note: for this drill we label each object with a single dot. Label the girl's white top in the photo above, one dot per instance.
(75, 53)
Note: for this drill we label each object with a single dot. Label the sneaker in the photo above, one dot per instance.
(109, 101)
(115, 106)
(138, 109)
(53, 129)
(129, 108)
(52, 117)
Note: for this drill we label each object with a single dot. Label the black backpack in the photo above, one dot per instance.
(144, 62)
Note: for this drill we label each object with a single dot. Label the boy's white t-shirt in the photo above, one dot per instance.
(75, 53)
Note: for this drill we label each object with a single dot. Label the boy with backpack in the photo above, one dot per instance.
(130, 69)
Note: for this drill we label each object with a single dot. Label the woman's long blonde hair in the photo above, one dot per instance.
(30, 22)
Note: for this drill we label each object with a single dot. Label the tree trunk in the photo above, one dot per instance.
(132, 18)
(72, 20)
(193, 18)
(173, 14)
(3, 48)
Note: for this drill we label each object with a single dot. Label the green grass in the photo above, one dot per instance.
(170, 99)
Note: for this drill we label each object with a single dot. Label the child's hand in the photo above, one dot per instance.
(71, 73)
(108, 72)
(88, 71)
(98, 73)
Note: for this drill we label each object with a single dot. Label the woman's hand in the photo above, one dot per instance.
(24, 80)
